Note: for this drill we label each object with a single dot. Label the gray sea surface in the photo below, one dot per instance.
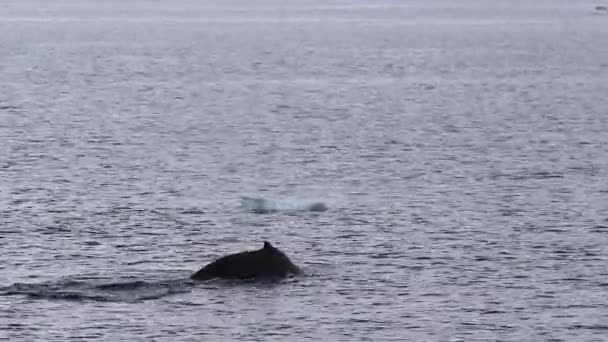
(459, 147)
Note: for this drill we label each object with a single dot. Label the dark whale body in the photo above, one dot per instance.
(266, 263)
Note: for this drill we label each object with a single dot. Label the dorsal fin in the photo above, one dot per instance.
(267, 245)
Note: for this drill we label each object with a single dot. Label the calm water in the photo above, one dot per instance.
(460, 147)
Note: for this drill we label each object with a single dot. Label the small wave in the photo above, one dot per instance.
(9, 107)
(261, 205)
(123, 291)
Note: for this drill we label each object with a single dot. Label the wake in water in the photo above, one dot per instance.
(261, 205)
(128, 290)
(81, 290)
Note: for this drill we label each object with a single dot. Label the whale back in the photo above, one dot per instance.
(267, 262)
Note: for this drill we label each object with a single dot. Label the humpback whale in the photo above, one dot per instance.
(266, 263)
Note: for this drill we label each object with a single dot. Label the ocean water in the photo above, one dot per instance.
(460, 149)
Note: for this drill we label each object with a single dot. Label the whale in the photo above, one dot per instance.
(266, 263)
